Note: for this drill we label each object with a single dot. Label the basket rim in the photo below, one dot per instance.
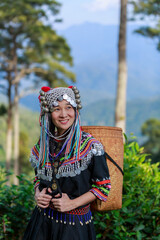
(103, 127)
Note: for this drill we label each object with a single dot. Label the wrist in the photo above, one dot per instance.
(74, 203)
(37, 191)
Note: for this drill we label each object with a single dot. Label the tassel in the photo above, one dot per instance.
(70, 219)
(73, 220)
(49, 212)
(57, 218)
(44, 212)
(65, 218)
(61, 218)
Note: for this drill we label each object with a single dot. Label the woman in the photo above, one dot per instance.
(71, 171)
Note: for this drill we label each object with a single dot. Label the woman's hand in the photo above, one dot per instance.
(62, 204)
(42, 199)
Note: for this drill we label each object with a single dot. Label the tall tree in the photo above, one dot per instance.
(120, 111)
(30, 48)
(148, 10)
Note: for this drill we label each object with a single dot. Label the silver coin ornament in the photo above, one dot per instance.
(77, 97)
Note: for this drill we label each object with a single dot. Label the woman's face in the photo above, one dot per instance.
(63, 116)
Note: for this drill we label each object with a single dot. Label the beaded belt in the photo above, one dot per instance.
(83, 214)
(79, 211)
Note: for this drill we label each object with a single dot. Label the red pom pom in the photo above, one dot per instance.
(70, 87)
(45, 89)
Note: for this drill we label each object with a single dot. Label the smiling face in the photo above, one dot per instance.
(63, 116)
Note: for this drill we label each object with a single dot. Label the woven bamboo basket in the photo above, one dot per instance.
(112, 140)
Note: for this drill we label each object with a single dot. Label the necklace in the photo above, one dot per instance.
(61, 137)
(58, 154)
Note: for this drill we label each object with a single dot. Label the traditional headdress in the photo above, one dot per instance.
(49, 98)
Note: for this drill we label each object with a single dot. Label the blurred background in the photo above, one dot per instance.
(76, 43)
(109, 49)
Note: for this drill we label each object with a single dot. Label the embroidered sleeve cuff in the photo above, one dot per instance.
(101, 189)
(99, 194)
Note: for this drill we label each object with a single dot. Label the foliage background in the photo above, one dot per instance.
(139, 216)
(138, 219)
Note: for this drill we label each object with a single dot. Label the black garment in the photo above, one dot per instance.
(41, 227)
(75, 178)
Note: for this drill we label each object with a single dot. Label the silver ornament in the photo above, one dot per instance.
(55, 103)
(79, 106)
(76, 91)
(77, 95)
(74, 88)
(44, 103)
(60, 98)
(42, 98)
(78, 101)
(94, 151)
(42, 93)
(46, 110)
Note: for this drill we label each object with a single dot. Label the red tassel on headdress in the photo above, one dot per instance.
(70, 87)
(45, 88)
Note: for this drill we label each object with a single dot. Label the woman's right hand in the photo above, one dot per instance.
(42, 199)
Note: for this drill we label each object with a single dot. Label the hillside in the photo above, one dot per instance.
(94, 50)
(138, 111)
(29, 125)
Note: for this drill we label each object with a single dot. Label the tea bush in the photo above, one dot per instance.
(139, 217)
(16, 204)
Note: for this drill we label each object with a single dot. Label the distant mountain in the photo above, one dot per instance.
(102, 112)
(94, 50)
(138, 111)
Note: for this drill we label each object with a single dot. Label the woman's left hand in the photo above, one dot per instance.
(62, 204)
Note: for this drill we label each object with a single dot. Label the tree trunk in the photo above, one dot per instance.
(9, 130)
(120, 111)
(16, 136)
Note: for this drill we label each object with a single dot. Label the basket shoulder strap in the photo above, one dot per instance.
(111, 159)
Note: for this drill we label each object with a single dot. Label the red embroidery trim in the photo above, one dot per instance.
(102, 182)
(77, 211)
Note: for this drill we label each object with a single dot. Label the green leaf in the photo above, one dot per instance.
(139, 227)
(139, 236)
(127, 202)
(98, 236)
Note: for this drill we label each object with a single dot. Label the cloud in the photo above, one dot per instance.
(101, 5)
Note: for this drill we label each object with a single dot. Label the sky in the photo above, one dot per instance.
(107, 12)
(75, 12)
